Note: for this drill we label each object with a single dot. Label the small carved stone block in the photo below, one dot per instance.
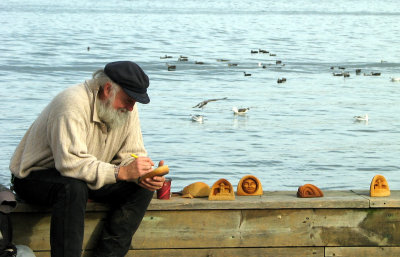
(197, 189)
(249, 185)
(221, 190)
(379, 186)
(308, 191)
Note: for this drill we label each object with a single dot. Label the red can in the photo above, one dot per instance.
(164, 193)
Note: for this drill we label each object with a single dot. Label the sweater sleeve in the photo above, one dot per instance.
(67, 139)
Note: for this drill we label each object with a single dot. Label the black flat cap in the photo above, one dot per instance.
(131, 78)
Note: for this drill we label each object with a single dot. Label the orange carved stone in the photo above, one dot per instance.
(221, 190)
(197, 189)
(249, 185)
(308, 191)
(379, 186)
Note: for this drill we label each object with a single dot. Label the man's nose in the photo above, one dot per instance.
(130, 107)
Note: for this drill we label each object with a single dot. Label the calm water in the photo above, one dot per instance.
(297, 132)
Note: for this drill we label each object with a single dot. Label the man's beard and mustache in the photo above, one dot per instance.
(111, 117)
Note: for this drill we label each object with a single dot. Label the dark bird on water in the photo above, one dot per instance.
(281, 80)
(171, 67)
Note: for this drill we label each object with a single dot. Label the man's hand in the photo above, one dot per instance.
(135, 169)
(138, 168)
(153, 183)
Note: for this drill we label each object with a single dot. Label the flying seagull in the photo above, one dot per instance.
(202, 104)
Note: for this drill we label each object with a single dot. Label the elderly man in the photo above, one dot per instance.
(80, 148)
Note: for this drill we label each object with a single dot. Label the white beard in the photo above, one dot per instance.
(111, 117)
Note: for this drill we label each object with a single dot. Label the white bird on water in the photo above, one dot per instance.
(362, 117)
(395, 79)
(239, 111)
(198, 118)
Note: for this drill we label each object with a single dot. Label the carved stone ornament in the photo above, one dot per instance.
(221, 190)
(308, 191)
(197, 189)
(249, 185)
(379, 186)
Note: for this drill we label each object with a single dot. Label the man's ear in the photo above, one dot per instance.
(107, 90)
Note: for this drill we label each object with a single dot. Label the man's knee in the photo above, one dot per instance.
(142, 197)
(74, 190)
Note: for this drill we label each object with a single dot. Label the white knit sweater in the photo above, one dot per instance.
(69, 136)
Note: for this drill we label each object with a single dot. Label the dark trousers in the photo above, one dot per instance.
(68, 197)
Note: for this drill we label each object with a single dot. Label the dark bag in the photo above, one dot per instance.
(7, 205)
(7, 248)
